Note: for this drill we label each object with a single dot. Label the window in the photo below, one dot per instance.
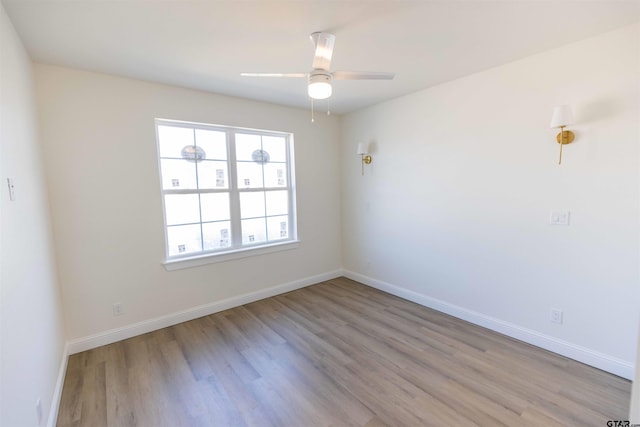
(225, 190)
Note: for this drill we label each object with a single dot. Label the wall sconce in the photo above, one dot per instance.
(562, 116)
(363, 151)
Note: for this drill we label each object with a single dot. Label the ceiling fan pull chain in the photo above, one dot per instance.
(312, 120)
(328, 106)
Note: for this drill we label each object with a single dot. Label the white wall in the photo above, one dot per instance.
(454, 210)
(31, 332)
(99, 140)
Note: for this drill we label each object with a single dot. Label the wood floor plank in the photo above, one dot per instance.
(119, 407)
(337, 353)
(140, 377)
(94, 405)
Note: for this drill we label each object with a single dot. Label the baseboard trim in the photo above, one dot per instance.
(135, 329)
(57, 391)
(622, 368)
(585, 355)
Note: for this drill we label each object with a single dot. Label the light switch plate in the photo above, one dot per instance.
(12, 194)
(559, 218)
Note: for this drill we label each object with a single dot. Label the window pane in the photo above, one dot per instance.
(251, 204)
(181, 208)
(216, 235)
(276, 147)
(213, 174)
(246, 144)
(249, 175)
(178, 174)
(278, 227)
(172, 139)
(184, 239)
(253, 231)
(214, 144)
(275, 175)
(215, 206)
(277, 203)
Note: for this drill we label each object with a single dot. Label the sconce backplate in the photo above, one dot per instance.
(567, 137)
(366, 159)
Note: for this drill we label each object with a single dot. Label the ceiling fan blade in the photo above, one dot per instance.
(273, 74)
(323, 45)
(362, 75)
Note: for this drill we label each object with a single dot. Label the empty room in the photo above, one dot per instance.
(319, 213)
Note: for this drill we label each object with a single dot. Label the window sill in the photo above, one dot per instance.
(195, 261)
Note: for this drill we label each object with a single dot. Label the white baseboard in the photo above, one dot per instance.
(57, 391)
(590, 357)
(129, 331)
(585, 355)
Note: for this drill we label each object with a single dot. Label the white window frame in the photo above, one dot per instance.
(237, 248)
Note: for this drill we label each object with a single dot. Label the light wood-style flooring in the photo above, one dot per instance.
(334, 354)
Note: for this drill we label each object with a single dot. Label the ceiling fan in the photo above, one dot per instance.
(320, 77)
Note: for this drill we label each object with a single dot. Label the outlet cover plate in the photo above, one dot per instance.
(556, 316)
(559, 217)
(118, 309)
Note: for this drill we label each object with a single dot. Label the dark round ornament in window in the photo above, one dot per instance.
(260, 156)
(193, 153)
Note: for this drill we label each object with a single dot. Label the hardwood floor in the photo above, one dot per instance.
(337, 353)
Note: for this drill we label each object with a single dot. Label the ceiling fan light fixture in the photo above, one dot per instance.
(319, 86)
(320, 78)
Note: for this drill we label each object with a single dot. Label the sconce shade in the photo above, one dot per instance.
(562, 116)
(363, 148)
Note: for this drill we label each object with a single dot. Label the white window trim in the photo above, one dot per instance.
(209, 258)
(203, 258)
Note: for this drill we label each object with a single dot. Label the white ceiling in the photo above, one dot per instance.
(206, 44)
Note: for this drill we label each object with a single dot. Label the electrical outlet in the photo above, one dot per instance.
(556, 316)
(118, 309)
(39, 410)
